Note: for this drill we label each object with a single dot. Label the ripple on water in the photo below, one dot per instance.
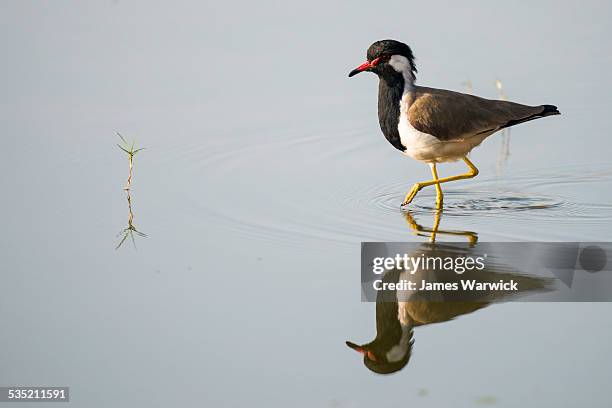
(366, 211)
(521, 197)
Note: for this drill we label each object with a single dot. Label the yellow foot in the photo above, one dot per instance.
(411, 194)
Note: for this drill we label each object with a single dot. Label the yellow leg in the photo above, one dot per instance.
(418, 186)
(439, 195)
(433, 232)
(436, 225)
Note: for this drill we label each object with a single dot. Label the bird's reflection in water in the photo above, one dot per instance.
(398, 312)
(433, 232)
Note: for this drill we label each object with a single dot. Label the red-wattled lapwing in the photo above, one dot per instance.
(398, 312)
(435, 125)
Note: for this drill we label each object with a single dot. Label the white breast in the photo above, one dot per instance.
(427, 148)
(398, 351)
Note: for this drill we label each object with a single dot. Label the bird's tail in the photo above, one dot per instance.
(549, 110)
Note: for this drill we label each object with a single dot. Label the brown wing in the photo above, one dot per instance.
(450, 115)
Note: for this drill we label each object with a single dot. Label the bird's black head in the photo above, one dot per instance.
(375, 357)
(390, 351)
(388, 58)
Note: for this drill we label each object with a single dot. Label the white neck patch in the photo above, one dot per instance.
(400, 350)
(402, 65)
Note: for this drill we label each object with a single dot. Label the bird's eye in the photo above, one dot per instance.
(379, 60)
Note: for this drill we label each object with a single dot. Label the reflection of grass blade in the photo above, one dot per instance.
(122, 240)
(133, 240)
(130, 231)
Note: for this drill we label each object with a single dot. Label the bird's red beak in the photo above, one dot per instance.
(361, 350)
(364, 67)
